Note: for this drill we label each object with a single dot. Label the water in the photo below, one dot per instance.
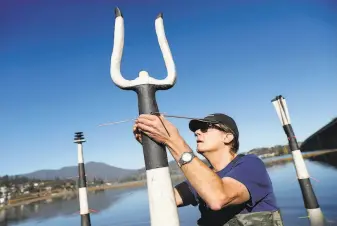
(130, 206)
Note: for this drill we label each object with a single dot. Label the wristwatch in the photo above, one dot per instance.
(185, 158)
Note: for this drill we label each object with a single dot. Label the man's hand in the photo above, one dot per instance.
(160, 130)
(137, 134)
(156, 127)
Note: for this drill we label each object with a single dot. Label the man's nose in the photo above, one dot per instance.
(197, 132)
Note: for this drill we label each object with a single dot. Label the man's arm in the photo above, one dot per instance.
(216, 192)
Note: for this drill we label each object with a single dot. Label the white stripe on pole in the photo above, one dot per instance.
(80, 153)
(84, 209)
(161, 198)
(301, 169)
(316, 217)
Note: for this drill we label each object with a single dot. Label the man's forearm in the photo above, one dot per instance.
(207, 183)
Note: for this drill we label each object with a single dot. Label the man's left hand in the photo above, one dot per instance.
(157, 128)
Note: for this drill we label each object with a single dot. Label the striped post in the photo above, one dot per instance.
(310, 201)
(82, 182)
(162, 205)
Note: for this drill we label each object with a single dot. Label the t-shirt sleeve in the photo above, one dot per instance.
(187, 193)
(251, 171)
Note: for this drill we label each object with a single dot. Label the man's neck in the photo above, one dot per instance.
(219, 159)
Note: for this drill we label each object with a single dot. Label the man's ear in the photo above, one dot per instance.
(228, 138)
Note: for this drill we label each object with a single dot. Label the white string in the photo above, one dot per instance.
(165, 115)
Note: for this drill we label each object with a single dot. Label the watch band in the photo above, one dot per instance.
(182, 162)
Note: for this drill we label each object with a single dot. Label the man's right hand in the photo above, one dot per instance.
(137, 134)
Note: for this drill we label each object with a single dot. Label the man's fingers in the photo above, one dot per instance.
(148, 117)
(135, 128)
(139, 137)
(151, 119)
(145, 128)
(145, 121)
(137, 133)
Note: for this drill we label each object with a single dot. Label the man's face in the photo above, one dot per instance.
(210, 139)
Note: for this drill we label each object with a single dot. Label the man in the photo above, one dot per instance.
(234, 190)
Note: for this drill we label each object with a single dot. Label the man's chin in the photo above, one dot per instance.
(200, 151)
(203, 151)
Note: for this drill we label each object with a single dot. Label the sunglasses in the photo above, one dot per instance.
(205, 126)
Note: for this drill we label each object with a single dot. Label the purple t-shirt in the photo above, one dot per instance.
(250, 171)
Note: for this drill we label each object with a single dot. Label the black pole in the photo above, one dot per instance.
(314, 211)
(155, 155)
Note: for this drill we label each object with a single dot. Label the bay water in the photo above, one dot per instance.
(122, 207)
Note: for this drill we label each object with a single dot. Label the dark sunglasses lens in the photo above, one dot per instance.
(204, 127)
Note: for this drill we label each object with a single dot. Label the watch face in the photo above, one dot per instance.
(186, 157)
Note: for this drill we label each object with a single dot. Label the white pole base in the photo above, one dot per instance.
(316, 217)
(163, 208)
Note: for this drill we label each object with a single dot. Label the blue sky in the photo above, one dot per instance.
(230, 57)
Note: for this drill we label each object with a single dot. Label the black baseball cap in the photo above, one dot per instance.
(216, 118)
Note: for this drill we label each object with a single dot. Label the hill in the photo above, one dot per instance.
(93, 169)
(98, 170)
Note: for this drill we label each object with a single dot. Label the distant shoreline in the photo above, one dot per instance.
(269, 162)
(133, 184)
